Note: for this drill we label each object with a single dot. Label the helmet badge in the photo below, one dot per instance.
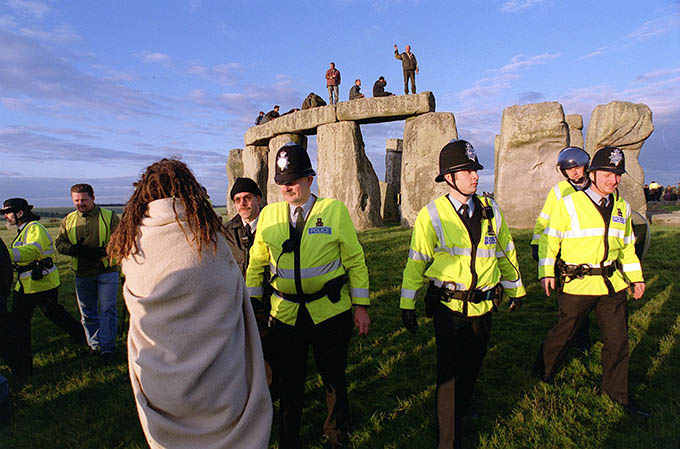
(470, 152)
(282, 161)
(615, 157)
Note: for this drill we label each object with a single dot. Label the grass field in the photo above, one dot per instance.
(72, 401)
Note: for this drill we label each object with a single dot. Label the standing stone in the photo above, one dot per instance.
(389, 209)
(424, 137)
(575, 124)
(496, 146)
(394, 149)
(345, 173)
(255, 167)
(626, 126)
(531, 137)
(234, 170)
(273, 192)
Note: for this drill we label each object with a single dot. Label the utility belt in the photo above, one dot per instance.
(448, 292)
(36, 268)
(569, 272)
(331, 289)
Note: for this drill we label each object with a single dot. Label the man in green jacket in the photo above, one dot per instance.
(83, 235)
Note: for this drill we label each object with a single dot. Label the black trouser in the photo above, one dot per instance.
(612, 318)
(461, 347)
(22, 311)
(410, 75)
(329, 340)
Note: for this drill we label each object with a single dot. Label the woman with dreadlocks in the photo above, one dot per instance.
(194, 351)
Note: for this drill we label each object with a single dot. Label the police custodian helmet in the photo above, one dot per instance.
(571, 157)
(15, 205)
(609, 159)
(457, 155)
(292, 162)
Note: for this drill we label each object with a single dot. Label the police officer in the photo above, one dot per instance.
(592, 232)
(318, 275)
(573, 163)
(462, 245)
(38, 281)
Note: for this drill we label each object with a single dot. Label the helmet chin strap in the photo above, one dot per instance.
(582, 183)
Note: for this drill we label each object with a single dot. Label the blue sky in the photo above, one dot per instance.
(94, 91)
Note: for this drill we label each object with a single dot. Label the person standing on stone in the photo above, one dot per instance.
(318, 275)
(572, 163)
(333, 83)
(379, 88)
(409, 65)
(37, 283)
(462, 245)
(83, 235)
(591, 231)
(195, 360)
(355, 90)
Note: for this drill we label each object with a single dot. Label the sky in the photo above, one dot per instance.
(95, 91)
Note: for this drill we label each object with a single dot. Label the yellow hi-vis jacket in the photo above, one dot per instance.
(34, 243)
(441, 250)
(577, 229)
(329, 248)
(558, 191)
(75, 218)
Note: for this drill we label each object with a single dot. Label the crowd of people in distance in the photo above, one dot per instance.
(656, 192)
(409, 67)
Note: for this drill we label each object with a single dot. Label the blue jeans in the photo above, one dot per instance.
(332, 90)
(97, 303)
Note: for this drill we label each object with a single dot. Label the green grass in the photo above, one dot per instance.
(74, 402)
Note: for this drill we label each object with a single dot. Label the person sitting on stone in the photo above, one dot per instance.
(259, 118)
(355, 91)
(271, 115)
(379, 88)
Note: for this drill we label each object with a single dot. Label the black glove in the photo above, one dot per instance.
(410, 320)
(92, 253)
(515, 303)
(77, 248)
(534, 252)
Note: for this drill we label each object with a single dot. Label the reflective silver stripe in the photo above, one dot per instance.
(594, 232)
(406, 293)
(17, 255)
(512, 284)
(456, 251)
(632, 267)
(436, 222)
(546, 261)
(37, 245)
(571, 209)
(554, 233)
(26, 274)
(440, 284)
(48, 252)
(536, 237)
(510, 246)
(617, 233)
(418, 256)
(496, 215)
(255, 291)
(486, 252)
(306, 273)
(627, 209)
(359, 292)
(558, 192)
(629, 239)
(544, 216)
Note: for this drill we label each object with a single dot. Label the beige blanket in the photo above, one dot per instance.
(194, 351)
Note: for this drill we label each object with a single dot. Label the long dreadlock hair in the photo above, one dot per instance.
(167, 178)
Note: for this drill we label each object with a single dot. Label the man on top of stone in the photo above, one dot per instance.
(318, 276)
(355, 91)
(409, 64)
(379, 88)
(332, 83)
(83, 235)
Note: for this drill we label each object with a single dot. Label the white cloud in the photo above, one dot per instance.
(29, 7)
(596, 52)
(656, 75)
(7, 21)
(656, 27)
(518, 5)
(226, 74)
(148, 57)
(60, 35)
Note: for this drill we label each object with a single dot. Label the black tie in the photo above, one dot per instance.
(249, 232)
(463, 211)
(299, 221)
(603, 203)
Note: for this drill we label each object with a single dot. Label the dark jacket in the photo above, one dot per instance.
(239, 243)
(354, 92)
(407, 62)
(379, 89)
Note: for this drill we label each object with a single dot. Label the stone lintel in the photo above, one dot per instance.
(385, 109)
